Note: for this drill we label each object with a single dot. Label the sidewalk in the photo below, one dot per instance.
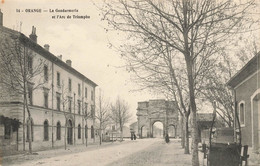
(254, 159)
(71, 149)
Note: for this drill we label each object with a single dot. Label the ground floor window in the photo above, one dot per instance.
(92, 132)
(8, 129)
(79, 131)
(242, 113)
(27, 127)
(86, 131)
(58, 131)
(46, 130)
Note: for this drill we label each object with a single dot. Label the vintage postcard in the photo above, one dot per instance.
(130, 82)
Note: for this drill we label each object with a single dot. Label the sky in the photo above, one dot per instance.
(84, 41)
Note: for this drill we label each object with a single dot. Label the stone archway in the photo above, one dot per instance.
(152, 111)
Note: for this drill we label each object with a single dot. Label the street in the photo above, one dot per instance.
(157, 154)
(140, 152)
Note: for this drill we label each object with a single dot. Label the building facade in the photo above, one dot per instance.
(152, 111)
(61, 100)
(246, 87)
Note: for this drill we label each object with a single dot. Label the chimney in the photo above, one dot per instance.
(1, 18)
(60, 57)
(47, 47)
(68, 62)
(33, 35)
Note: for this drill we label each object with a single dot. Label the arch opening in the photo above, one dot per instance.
(172, 131)
(158, 129)
(70, 131)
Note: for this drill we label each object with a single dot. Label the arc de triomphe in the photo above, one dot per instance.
(149, 112)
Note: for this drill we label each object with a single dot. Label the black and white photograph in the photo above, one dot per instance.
(130, 82)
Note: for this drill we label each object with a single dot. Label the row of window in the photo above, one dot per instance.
(58, 99)
(85, 106)
(58, 131)
(46, 78)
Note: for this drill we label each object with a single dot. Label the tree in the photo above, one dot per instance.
(155, 69)
(120, 114)
(21, 73)
(102, 114)
(64, 100)
(196, 30)
(227, 64)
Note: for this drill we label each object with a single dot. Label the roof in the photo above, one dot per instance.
(46, 54)
(251, 67)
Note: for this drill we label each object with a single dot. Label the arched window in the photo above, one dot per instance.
(58, 131)
(86, 131)
(79, 131)
(92, 132)
(46, 130)
(27, 127)
(242, 113)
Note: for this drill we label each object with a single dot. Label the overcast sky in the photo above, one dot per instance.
(85, 42)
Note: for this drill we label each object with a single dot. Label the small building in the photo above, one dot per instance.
(246, 87)
(113, 133)
(204, 121)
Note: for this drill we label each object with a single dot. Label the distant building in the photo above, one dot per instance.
(246, 88)
(50, 114)
(112, 132)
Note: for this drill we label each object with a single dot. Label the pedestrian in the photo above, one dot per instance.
(167, 140)
(134, 137)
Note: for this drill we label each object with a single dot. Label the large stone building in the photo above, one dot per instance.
(246, 88)
(61, 99)
(152, 111)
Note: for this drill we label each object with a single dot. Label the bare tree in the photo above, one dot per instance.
(215, 88)
(102, 114)
(154, 68)
(65, 100)
(197, 30)
(21, 73)
(120, 114)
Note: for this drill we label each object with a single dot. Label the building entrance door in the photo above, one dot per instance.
(69, 136)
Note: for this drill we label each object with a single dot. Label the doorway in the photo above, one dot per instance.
(70, 131)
